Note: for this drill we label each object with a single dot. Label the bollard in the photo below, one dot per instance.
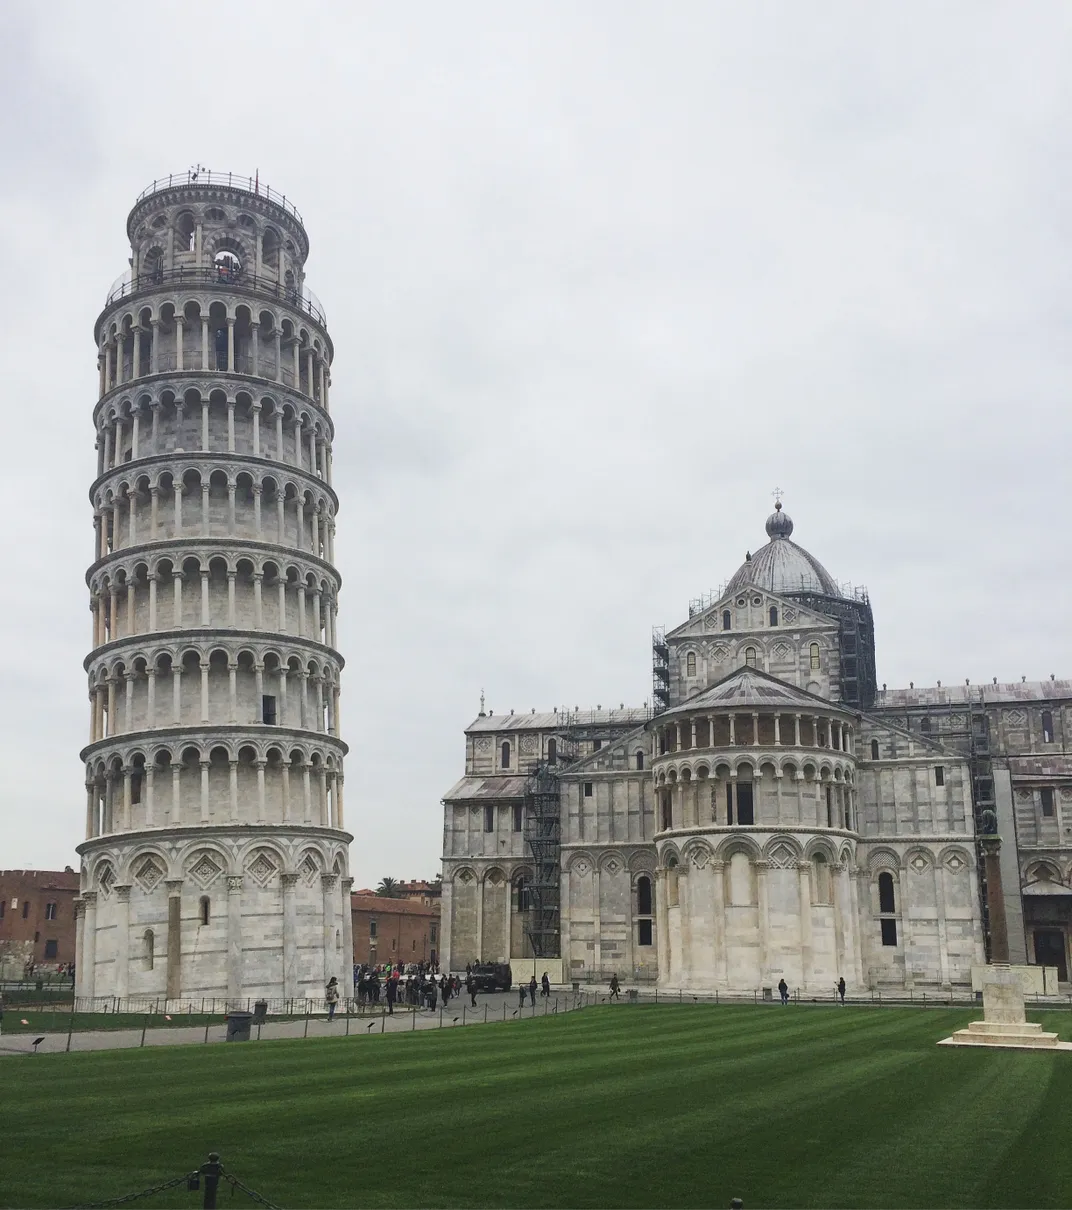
(383, 1017)
(206, 1033)
(485, 1012)
(463, 1014)
(347, 1023)
(211, 1172)
(504, 1007)
(441, 1017)
(70, 1030)
(306, 1034)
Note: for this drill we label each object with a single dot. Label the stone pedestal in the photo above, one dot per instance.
(1004, 1022)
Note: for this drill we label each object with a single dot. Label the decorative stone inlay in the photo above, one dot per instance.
(782, 857)
(262, 868)
(919, 863)
(204, 871)
(465, 877)
(1015, 718)
(528, 743)
(106, 881)
(612, 867)
(955, 864)
(483, 744)
(148, 875)
(581, 867)
(308, 870)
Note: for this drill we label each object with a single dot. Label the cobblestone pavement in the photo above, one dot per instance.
(490, 1008)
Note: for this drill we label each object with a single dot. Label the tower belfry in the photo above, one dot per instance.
(215, 861)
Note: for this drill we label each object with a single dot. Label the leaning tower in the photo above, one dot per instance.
(215, 859)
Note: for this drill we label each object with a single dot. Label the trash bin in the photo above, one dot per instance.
(260, 1012)
(238, 1026)
(632, 994)
(768, 993)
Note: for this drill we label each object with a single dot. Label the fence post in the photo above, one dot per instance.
(211, 1172)
(504, 1006)
(485, 1012)
(70, 1030)
(306, 1034)
(144, 1026)
(463, 1014)
(347, 1022)
(383, 1016)
(441, 1017)
(206, 1033)
(413, 1019)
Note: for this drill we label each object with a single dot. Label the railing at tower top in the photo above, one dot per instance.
(304, 299)
(230, 180)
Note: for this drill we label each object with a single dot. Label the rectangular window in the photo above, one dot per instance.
(25, 908)
(50, 911)
(3, 904)
(268, 709)
(489, 819)
(745, 812)
(51, 948)
(517, 819)
(135, 789)
(588, 789)
(939, 775)
(1046, 794)
(643, 932)
(889, 932)
(432, 933)
(596, 745)
(372, 928)
(414, 944)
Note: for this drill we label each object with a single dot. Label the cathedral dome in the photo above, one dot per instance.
(782, 566)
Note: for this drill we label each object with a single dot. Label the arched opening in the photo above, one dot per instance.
(552, 751)
(750, 657)
(1047, 727)
(643, 891)
(203, 909)
(925, 723)
(505, 755)
(228, 266)
(149, 943)
(886, 901)
(522, 895)
(726, 619)
(823, 888)
(813, 657)
(690, 664)
(639, 759)
(874, 749)
(774, 615)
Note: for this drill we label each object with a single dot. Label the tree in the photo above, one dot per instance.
(389, 889)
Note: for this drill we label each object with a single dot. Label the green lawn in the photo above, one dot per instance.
(622, 1106)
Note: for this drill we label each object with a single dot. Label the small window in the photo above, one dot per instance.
(50, 911)
(889, 931)
(750, 657)
(372, 930)
(414, 944)
(204, 909)
(690, 664)
(643, 930)
(51, 948)
(745, 810)
(1046, 795)
(829, 806)
(596, 745)
(489, 819)
(874, 749)
(268, 709)
(432, 933)
(643, 896)
(588, 789)
(552, 751)
(135, 788)
(885, 893)
(925, 723)
(505, 754)
(149, 944)
(3, 904)
(1047, 727)
(521, 889)
(726, 619)
(939, 775)
(640, 760)
(813, 657)
(668, 818)
(517, 819)
(25, 908)
(774, 615)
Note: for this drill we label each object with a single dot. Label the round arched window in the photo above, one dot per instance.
(228, 266)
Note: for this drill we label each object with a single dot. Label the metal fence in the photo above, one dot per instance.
(232, 180)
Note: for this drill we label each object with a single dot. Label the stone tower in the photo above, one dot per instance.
(215, 860)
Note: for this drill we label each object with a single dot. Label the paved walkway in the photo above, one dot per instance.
(490, 1008)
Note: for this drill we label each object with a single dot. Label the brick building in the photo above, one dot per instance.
(394, 930)
(37, 916)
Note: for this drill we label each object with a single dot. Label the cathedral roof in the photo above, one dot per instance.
(750, 689)
(782, 566)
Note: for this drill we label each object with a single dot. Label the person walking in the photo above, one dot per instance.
(331, 995)
(520, 996)
(532, 990)
(615, 987)
(783, 991)
(841, 990)
(391, 994)
(433, 994)
(546, 985)
(470, 987)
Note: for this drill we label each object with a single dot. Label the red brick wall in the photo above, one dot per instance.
(25, 895)
(406, 931)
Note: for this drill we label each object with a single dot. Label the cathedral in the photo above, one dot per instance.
(775, 813)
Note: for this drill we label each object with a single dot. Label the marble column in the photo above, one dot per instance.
(290, 936)
(329, 885)
(86, 972)
(764, 918)
(234, 939)
(718, 920)
(174, 939)
(806, 943)
(346, 977)
(122, 941)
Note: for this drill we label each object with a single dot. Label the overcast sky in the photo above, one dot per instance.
(599, 277)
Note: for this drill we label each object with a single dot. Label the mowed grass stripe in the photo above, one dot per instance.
(631, 1106)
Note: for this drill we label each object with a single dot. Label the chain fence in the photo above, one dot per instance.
(205, 1178)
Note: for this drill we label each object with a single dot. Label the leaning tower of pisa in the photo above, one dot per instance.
(215, 859)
